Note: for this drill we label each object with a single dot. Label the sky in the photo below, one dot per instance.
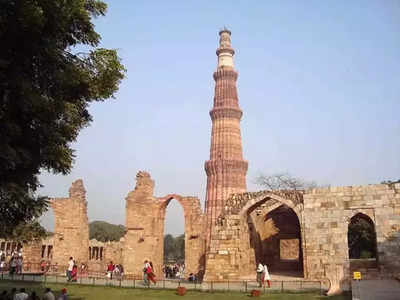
(319, 86)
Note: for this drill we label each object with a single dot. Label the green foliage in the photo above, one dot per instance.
(45, 91)
(174, 248)
(28, 232)
(361, 238)
(365, 254)
(104, 232)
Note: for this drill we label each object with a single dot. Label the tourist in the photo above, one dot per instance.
(43, 266)
(265, 276)
(48, 295)
(260, 270)
(110, 269)
(74, 273)
(63, 295)
(192, 277)
(34, 296)
(71, 264)
(13, 265)
(22, 295)
(145, 273)
(121, 270)
(19, 264)
(150, 274)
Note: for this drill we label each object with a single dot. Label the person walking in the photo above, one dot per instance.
(110, 269)
(151, 275)
(266, 276)
(22, 295)
(260, 270)
(145, 273)
(48, 295)
(71, 264)
(63, 295)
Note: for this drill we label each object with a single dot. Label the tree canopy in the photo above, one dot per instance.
(174, 248)
(104, 232)
(46, 86)
(284, 181)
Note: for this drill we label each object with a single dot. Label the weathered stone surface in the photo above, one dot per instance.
(71, 230)
(145, 219)
(226, 170)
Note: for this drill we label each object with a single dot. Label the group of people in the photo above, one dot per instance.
(148, 273)
(23, 295)
(114, 270)
(15, 263)
(174, 271)
(263, 275)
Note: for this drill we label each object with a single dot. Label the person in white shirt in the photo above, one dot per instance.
(22, 295)
(266, 276)
(70, 268)
(48, 295)
(260, 270)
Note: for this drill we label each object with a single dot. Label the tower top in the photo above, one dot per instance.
(225, 30)
(225, 51)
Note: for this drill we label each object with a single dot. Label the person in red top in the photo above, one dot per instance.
(110, 269)
(150, 273)
(74, 273)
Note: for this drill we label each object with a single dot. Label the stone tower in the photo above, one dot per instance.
(226, 170)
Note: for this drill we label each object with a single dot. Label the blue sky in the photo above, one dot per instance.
(319, 85)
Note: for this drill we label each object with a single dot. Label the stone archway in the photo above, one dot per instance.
(144, 238)
(194, 240)
(275, 232)
(230, 247)
(362, 244)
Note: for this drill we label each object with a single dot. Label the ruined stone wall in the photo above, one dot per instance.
(145, 216)
(101, 253)
(71, 230)
(327, 212)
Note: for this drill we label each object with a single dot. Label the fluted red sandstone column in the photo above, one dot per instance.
(226, 170)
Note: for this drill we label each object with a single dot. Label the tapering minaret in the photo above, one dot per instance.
(226, 170)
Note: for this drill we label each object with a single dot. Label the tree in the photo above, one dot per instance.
(361, 238)
(46, 87)
(28, 231)
(284, 181)
(174, 248)
(104, 232)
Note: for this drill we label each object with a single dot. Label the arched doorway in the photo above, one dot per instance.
(193, 238)
(174, 240)
(361, 237)
(275, 236)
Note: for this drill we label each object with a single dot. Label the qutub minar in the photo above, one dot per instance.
(298, 234)
(226, 170)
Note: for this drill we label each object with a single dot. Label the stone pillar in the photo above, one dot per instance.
(141, 224)
(226, 170)
(71, 230)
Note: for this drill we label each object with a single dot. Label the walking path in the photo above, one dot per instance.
(376, 290)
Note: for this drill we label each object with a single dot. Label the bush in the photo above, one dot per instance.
(365, 254)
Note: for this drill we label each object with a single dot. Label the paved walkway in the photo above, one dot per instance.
(376, 290)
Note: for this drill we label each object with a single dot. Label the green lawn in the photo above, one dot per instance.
(80, 292)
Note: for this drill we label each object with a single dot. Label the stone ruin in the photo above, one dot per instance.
(300, 233)
(303, 232)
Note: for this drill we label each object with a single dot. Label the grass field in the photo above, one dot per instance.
(80, 292)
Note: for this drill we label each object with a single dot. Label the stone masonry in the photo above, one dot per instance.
(71, 226)
(144, 239)
(226, 170)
